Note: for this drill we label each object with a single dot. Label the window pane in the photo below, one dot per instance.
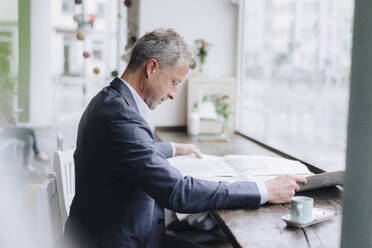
(296, 77)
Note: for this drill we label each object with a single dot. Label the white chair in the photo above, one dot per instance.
(49, 226)
(64, 169)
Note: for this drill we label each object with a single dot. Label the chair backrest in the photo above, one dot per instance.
(64, 169)
(49, 222)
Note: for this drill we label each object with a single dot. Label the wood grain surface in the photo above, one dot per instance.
(264, 227)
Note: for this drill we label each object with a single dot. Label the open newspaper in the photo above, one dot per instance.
(231, 168)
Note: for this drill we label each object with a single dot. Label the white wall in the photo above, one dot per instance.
(9, 10)
(213, 20)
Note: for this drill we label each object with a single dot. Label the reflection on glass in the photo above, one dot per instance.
(296, 77)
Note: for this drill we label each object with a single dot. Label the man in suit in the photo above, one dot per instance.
(123, 178)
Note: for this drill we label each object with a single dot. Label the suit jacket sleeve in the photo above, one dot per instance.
(140, 160)
(165, 148)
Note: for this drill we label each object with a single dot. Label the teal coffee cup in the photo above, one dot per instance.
(302, 208)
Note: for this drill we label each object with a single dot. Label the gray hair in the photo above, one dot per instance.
(166, 46)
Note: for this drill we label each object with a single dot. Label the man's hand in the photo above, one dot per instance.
(282, 188)
(185, 149)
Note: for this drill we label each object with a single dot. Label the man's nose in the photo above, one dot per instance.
(172, 94)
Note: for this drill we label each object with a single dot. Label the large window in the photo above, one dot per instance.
(295, 72)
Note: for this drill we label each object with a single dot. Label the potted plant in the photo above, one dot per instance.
(202, 52)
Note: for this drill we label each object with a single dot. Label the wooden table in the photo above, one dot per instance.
(264, 227)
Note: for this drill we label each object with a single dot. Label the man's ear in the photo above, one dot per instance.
(152, 66)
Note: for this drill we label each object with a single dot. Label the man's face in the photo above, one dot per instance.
(162, 84)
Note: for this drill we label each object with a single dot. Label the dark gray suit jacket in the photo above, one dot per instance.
(124, 181)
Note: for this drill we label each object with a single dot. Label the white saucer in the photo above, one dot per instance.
(319, 215)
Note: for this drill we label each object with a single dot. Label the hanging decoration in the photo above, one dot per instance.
(84, 21)
(78, 18)
(91, 18)
(128, 3)
(114, 73)
(80, 36)
(86, 55)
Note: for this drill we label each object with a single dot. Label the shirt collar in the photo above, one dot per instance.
(141, 105)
